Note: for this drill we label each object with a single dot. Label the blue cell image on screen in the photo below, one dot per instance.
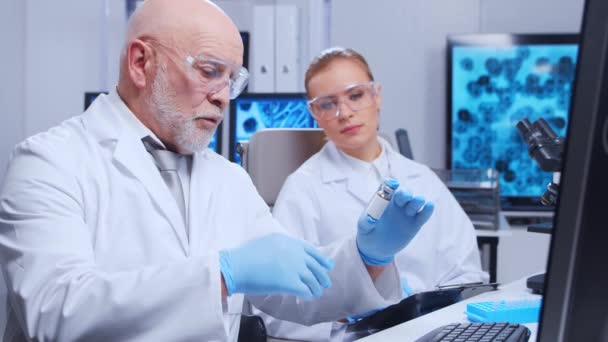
(213, 144)
(253, 113)
(494, 88)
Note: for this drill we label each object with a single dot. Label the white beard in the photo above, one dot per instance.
(183, 126)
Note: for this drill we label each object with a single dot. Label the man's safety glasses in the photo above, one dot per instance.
(213, 74)
(356, 96)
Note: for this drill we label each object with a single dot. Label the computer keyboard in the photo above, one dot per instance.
(482, 332)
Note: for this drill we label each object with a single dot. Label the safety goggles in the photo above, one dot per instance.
(213, 74)
(356, 96)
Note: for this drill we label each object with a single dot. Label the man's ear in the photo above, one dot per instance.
(139, 60)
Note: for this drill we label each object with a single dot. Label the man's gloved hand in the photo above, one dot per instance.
(276, 264)
(379, 240)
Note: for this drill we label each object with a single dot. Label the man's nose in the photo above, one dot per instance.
(220, 96)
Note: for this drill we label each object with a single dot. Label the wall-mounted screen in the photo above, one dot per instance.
(494, 81)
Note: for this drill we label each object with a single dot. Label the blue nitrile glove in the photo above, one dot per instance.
(355, 318)
(276, 264)
(379, 240)
(407, 290)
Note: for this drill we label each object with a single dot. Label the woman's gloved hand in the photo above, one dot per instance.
(379, 240)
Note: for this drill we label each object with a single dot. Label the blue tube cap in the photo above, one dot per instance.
(391, 183)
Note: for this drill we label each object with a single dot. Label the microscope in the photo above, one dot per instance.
(546, 148)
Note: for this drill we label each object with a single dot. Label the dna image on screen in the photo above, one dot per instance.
(254, 114)
(492, 89)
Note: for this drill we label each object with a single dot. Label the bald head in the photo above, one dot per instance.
(171, 20)
(187, 26)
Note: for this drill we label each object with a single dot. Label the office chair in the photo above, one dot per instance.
(388, 137)
(252, 329)
(403, 142)
(269, 157)
(273, 154)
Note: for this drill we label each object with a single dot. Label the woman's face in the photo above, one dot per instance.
(339, 87)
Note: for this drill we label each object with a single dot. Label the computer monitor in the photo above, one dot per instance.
(495, 80)
(576, 291)
(245, 38)
(215, 143)
(90, 96)
(252, 112)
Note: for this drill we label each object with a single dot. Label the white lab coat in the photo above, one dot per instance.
(322, 200)
(93, 246)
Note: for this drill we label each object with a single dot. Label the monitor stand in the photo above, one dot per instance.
(536, 283)
(543, 227)
(526, 218)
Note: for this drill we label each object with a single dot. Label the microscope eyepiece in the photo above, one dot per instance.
(545, 128)
(524, 126)
(543, 144)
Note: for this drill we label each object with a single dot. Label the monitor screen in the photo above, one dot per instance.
(494, 81)
(252, 112)
(215, 143)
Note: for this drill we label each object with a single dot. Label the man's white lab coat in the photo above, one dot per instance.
(94, 248)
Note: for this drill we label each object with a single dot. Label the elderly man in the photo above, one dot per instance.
(119, 224)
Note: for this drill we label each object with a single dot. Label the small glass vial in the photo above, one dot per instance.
(381, 198)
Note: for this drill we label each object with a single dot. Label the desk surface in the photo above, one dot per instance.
(493, 233)
(409, 331)
(503, 228)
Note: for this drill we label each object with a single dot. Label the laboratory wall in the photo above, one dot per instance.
(53, 52)
(12, 55)
(12, 82)
(70, 47)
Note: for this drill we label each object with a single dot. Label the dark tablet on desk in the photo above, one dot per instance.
(415, 306)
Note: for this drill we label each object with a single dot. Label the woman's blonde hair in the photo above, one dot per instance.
(329, 55)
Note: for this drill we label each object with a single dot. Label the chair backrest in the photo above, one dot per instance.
(388, 137)
(273, 154)
(403, 142)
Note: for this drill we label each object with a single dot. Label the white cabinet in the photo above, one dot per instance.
(262, 49)
(284, 36)
(276, 53)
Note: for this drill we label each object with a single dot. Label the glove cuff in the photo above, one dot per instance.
(226, 269)
(375, 261)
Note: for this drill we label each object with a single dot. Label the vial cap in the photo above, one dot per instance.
(391, 183)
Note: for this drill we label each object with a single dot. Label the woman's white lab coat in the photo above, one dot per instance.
(322, 200)
(94, 248)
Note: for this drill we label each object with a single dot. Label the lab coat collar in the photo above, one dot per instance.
(335, 168)
(105, 119)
